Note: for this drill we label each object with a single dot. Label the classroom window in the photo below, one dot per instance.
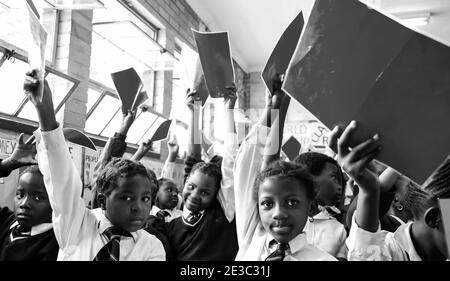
(14, 102)
(16, 32)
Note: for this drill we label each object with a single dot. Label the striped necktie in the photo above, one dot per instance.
(280, 252)
(20, 231)
(111, 250)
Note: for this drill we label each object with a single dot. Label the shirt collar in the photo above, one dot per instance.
(37, 229)
(186, 212)
(104, 224)
(295, 245)
(403, 237)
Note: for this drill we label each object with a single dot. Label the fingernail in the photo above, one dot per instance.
(353, 123)
(376, 137)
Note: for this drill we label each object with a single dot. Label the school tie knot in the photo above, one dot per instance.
(111, 250)
(193, 217)
(280, 252)
(162, 214)
(20, 231)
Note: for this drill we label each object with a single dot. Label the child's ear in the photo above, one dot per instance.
(101, 198)
(396, 203)
(432, 217)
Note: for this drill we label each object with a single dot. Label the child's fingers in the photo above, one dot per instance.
(344, 140)
(30, 140)
(20, 140)
(366, 159)
(333, 137)
(364, 148)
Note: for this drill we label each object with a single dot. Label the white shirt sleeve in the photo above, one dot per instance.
(247, 166)
(364, 245)
(63, 184)
(226, 192)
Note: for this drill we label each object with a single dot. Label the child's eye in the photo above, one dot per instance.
(292, 203)
(126, 198)
(169, 190)
(204, 193)
(19, 195)
(39, 198)
(146, 199)
(266, 204)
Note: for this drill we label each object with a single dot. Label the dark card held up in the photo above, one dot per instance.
(199, 85)
(128, 85)
(291, 148)
(369, 68)
(77, 137)
(215, 57)
(140, 99)
(282, 53)
(162, 132)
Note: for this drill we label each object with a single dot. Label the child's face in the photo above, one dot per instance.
(283, 207)
(129, 203)
(329, 186)
(199, 191)
(167, 196)
(31, 203)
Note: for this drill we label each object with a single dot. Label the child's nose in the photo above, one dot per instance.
(25, 203)
(279, 213)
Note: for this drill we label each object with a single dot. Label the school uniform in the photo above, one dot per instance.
(213, 235)
(38, 245)
(326, 233)
(381, 245)
(80, 234)
(254, 241)
(169, 215)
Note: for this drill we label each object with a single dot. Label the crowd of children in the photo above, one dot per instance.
(246, 204)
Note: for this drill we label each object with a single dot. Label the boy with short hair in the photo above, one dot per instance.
(124, 195)
(27, 233)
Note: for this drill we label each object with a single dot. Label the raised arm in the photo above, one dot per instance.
(61, 178)
(226, 192)
(355, 162)
(280, 104)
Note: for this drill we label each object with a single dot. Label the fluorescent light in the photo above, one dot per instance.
(415, 19)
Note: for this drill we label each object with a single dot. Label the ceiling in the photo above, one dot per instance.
(255, 25)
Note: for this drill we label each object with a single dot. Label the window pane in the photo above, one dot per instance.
(60, 87)
(93, 96)
(12, 75)
(140, 126)
(16, 32)
(29, 112)
(102, 114)
(113, 126)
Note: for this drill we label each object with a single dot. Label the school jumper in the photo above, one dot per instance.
(41, 245)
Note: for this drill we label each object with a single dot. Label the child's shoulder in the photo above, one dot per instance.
(316, 254)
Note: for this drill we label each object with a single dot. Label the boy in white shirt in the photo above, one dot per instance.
(124, 195)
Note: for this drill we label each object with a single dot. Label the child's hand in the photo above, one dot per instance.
(229, 96)
(44, 107)
(173, 147)
(24, 153)
(274, 100)
(127, 121)
(144, 147)
(355, 161)
(191, 99)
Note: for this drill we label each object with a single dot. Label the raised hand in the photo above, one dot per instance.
(191, 99)
(127, 121)
(24, 153)
(355, 161)
(229, 96)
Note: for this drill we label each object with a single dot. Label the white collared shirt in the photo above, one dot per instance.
(77, 230)
(252, 238)
(326, 233)
(35, 230)
(173, 214)
(381, 245)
